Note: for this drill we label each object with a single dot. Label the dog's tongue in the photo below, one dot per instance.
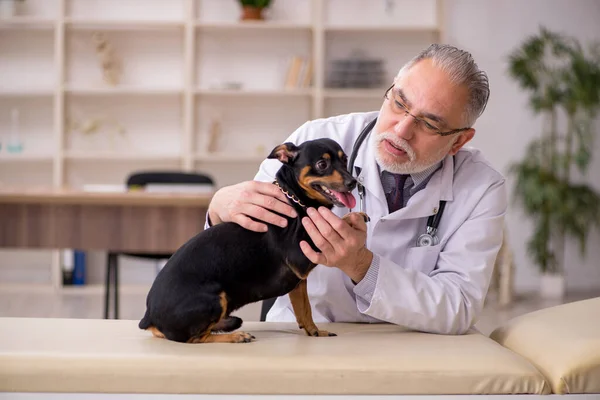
(346, 198)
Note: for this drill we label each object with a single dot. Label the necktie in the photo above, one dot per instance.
(396, 196)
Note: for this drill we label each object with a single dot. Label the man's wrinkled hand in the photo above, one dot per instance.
(341, 241)
(238, 203)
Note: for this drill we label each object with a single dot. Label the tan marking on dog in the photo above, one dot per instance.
(203, 337)
(331, 181)
(305, 183)
(295, 271)
(156, 332)
(223, 302)
(235, 337)
(283, 153)
(340, 154)
(301, 305)
(327, 156)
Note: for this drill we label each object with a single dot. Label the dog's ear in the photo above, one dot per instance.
(286, 153)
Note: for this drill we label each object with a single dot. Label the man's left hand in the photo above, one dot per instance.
(341, 241)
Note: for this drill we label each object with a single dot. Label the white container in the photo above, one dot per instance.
(552, 286)
(14, 145)
(8, 8)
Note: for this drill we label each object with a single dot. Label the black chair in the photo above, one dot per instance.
(141, 179)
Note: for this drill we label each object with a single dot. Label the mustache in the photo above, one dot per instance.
(398, 142)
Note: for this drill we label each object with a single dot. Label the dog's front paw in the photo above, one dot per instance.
(348, 217)
(320, 333)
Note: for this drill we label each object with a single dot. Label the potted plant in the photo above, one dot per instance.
(563, 82)
(253, 9)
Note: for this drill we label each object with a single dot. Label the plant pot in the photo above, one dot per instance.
(8, 8)
(251, 13)
(552, 286)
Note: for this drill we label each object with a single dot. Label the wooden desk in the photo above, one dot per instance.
(128, 222)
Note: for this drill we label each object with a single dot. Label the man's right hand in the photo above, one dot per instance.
(237, 203)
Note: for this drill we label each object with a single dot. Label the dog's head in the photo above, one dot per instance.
(320, 170)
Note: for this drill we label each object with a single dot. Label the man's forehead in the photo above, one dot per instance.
(422, 92)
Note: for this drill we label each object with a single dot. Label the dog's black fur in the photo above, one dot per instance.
(226, 266)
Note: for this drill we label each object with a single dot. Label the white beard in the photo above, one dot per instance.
(413, 165)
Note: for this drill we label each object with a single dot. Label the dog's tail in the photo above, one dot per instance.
(145, 322)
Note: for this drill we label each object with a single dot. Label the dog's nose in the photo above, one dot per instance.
(350, 183)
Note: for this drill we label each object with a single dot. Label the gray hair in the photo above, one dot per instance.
(462, 70)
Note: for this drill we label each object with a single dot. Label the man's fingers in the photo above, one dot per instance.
(272, 198)
(324, 227)
(316, 235)
(248, 223)
(262, 214)
(271, 203)
(336, 222)
(313, 256)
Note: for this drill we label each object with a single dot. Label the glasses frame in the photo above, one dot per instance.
(407, 111)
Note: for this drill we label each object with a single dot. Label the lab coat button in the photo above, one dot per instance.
(361, 179)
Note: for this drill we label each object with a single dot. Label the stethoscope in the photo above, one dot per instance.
(429, 238)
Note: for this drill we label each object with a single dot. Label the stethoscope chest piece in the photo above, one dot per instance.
(427, 239)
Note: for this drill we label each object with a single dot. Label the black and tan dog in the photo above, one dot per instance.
(226, 267)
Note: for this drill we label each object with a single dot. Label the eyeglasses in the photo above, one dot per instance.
(398, 107)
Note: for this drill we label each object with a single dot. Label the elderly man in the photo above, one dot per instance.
(412, 166)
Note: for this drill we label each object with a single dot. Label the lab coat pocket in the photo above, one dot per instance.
(422, 259)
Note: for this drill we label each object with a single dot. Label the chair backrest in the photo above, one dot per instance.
(166, 177)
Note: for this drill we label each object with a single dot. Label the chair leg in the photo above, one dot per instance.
(116, 288)
(265, 307)
(107, 285)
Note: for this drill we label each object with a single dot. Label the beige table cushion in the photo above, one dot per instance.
(69, 355)
(563, 342)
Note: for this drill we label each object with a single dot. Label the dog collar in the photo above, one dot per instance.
(289, 196)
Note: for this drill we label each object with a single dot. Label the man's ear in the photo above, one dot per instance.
(462, 139)
(286, 153)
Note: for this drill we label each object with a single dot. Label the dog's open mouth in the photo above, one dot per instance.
(340, 199)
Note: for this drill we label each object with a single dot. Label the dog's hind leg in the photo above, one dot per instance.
(204, 332)
(227, 324)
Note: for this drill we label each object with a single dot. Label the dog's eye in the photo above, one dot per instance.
(322, 164)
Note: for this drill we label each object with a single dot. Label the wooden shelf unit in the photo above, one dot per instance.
(177, 57)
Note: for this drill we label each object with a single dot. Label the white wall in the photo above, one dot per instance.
(490, 30)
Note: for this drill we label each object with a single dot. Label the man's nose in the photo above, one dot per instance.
(405, 126)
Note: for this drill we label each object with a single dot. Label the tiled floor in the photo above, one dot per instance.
(133, 306)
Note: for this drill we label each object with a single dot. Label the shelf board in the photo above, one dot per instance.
(26, 92)
(98, 288)
(88, 289)
(256, 93)
(228, 158)
(121, 25)
(27, 23)
(252, 25)
(82, 155)
(381, 28)
(354, 93)
(24, 157)
(121, 90)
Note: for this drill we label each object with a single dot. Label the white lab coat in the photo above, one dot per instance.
(439, 289)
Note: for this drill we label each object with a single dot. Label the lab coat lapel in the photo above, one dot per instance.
(369, 171)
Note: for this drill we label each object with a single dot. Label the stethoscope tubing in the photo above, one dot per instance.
(432, 222)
